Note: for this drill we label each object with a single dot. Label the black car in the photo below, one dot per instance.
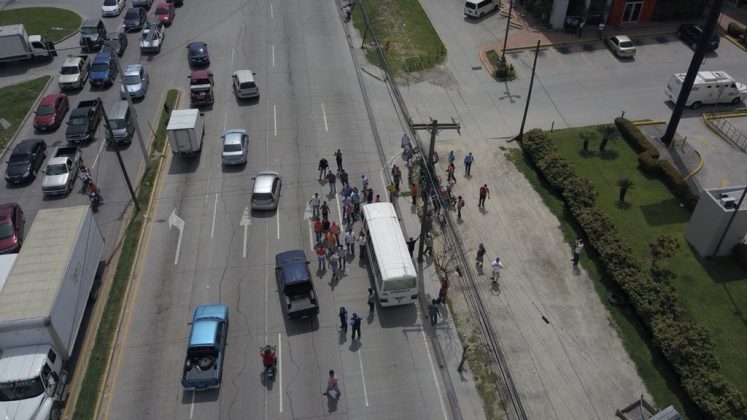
(690, 34)
(117, 42)
(197, 54)
(134, 18)
(25, 161)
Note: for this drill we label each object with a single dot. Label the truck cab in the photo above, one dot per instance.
(74, 72)
(92, 34)
(32, 383)
(103, 70)
(296, 288)
(201, 87)
(203, 367)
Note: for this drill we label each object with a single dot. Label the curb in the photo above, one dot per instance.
(733, 40)
(696, 170)
(648, 122)
(486, 63)
(581, 41)
(28, 113)
(718, 132)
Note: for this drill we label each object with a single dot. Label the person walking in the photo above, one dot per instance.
(433, 311)
(334, 228)
(364, 182)
(343, 253)
(409, 163)
(315, 203)
(325, 210)
(349, 212)
(343, 315)
(338, 159)
(450, 172)
(350, 242)
(497, 266)
(334, 264)
(332, 384)
(355, 322)
(330, 240)
(369, 196)
(484, 192)
(332, 179)
(325, 227)
(347, 190)
(480, 255)
(343, 175)
(443, 290)
(468, 163)
(361, 244)
(318, 229)
(414, 193)
(577, 251)
(371, 302)
(428, 244)
(321, 256)
(323, 165)
(397, 175)
(459, 204)
(411, 245)
(451, 157)
(600, 29)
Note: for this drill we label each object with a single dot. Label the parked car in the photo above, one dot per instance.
(621, 46)
(235, 145)
(134, 18)
(25, 160)
(266, 191)
(197, 54)
(136, 81)
(165, 13)
(244, 86)
(117, 42)
(112, 7)
(51, 111)
(146, 4)
(12, 222)
(690, 34)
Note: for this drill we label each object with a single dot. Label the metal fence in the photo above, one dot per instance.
(728, 130)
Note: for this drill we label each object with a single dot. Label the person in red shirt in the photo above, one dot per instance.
(414, 193)
(321, 255)
(484, 192)
(268, 357)
(318, 229)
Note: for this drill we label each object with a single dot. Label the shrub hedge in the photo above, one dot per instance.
(685, 344)
(734, 29)
(635, 138)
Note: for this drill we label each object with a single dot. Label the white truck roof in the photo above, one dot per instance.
(183, 119)
(6, 263)
(707, 77)
(71, 61)
(9, 30)
(34, 283)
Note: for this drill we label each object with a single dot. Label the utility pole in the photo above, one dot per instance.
(692, 71)
(115, 146)
(529, 95)
(434, 127)
(505, 37)
(108, 44)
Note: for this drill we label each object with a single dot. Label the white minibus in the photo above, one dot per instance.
(480, 8)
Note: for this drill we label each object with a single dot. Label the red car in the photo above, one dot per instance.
(51, 111)
(11, 228)
(201, 87)
(165, 13)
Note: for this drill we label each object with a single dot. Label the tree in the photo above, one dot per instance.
(625, 184)
(585, 138)
(608, 132)
(665, 246)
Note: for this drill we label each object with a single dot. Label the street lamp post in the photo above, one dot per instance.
(505, 37)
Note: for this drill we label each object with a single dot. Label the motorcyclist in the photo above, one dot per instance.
(84, 174)
(268, 357)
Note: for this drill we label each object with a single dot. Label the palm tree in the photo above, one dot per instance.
(609, 132)
(625, 184)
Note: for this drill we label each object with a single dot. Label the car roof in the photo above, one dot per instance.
(49, 100)
(293, 264)
(622, 38)
(233, 136)
(205, 323)
(5, 210)
(134, 9)
(244, 75)
(196, 45)
(200, 74)
(132, 69)
(25, 146)
(91, 22)
(103, 55)
(263, 181)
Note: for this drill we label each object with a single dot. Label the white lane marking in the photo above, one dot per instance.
(275, 118)
(225, 122)
(175, 220)
(363, 379)
(192, 406)
(381, 174)
(215, 210)
(324, 115)
(339, 212)
(280, 372)
(273, 56)
(272, 14)
(98, 154)
(245, 221)
(233, 51)
(311, 235)
(277, 218)
(435, 377)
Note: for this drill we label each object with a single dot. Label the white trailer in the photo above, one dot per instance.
(710, 87)
(186, 129)
(16, 45)
(41, 308)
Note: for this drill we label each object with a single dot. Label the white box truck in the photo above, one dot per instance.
(17, 45)
(710, 87)
(186, 130)
(41, 308)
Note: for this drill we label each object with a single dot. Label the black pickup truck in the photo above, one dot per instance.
(83, 121)
(294, 280)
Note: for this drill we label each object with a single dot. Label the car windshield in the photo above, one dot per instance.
(197, 50)
(21, 390)
(78, 121)
(100, 67)
(162, 11)
(110, 2)
(56, 170)
(626, 44)
(132, 79)
(19, 158)
(69, 70)
(132, 14)
(45, 110)
(90, 30)
(232, 148)
(197, 82)
(117, 124)
(6, 230)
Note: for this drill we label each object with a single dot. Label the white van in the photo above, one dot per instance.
(480, 8)
(710, 87)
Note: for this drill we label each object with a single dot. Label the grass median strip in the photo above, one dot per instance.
(94, 373)
(17, 100)
(52, 22)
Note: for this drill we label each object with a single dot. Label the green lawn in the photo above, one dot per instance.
(16, 102)
(714, 292)
(52, 22)
(413, 43)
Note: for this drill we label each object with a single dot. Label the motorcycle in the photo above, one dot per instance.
(270, 369)
(95, 199)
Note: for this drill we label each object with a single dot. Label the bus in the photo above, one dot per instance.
(390, 262)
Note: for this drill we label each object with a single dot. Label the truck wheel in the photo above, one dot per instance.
(695, 105)
(736, 100)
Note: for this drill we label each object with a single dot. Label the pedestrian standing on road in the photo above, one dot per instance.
(349, 212)
(497, 266)
(332, 384)
(323, 165)
(338, 159)
(325, 210)
(343, 315)
(332, 179)
(600, 29)
(397, 175)
(414, 194)
(356, 199)
(321, 256)
(364, 182)
(480, 255)
(355, 321)
(409, 165)
(391, 189)
(334, 264)
(361, 244)
(377, 199)
(460, 204)
(450, 172)
(330, 240)
(334, 228)
(315, 206)
(411, 245)
(404, 141)
(343, 175)
(577, 251)
(581, 28)
(350, 242)
(451, 157)
(325, 227)
(443, 290)
(318, 229)
(433, 311)
(484, 192)
(371, 302)
(343, 253)
(468, 160)
(347, 190)
(428, 244)
(369, 196)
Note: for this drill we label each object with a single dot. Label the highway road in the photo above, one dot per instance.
(310, 105)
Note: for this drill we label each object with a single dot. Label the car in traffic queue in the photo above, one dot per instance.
(244, 86)
(197, 54)
(201, 87)
(203, 366)
(136, 81)
(621, 46)
(134, 19)
(117, 42)
(103, 70)
(25, 161)
(12, 222)
(235, 145)
(112, 8)
(165, 13)
(266, 190)
(51, 111)
(146, 4)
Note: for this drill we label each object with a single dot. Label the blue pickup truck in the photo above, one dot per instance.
(203, 368)
(296, 288)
